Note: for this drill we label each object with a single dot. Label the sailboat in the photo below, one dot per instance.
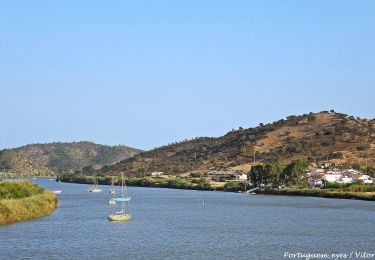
(124, 213)
(94, 187)
(58, 191)
(112, 192)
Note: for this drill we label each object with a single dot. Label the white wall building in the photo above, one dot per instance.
(345, 180)
(156, 173)
(333, 177)
(241, 177)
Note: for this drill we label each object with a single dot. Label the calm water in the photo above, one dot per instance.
(173, 224)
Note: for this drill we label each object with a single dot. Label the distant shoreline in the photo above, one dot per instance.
(368, 196)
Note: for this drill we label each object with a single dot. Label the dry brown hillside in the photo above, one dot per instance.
(313, 137)
(52, 158)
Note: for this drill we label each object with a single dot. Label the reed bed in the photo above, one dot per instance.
(24, 200)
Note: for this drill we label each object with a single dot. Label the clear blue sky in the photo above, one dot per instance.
(146, 73)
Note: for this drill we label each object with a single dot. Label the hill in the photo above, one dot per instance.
(52, 158)
(12, 162)
(313, 137)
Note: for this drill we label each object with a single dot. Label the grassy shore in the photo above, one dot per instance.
(324, 193)
(24, 200)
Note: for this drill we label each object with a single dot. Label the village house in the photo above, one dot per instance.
(326, 173)
(154, 174)
(241, 177)
(366, 179)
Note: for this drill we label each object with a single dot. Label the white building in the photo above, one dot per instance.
(364, 177)
(156, 173)
(332, 177)
(314, 183)
(345, 180)
(241, 177)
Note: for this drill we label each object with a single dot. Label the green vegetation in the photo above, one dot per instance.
(274, 174)
(18, 189)
(325, 193)
(24, 200)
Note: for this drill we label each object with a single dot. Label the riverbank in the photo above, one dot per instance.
(356, 191)
(324, 193)
(172, 182)
(24, 200)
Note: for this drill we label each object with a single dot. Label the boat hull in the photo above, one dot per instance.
(94, 190)
(56, 191)
(125, 217)
(123, 199)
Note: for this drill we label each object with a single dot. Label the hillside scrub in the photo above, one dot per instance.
(310, 137)
(24, 200)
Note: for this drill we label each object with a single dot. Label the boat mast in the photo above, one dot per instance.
(122, 194)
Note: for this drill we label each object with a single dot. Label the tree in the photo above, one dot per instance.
(88, 170)
(256, 175)
(356, 166)
(311, 117)
(295, 173)
(274, 169)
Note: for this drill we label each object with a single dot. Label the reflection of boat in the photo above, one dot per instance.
(34, 178)
(124, 213)
(94, 187)
(112, 192)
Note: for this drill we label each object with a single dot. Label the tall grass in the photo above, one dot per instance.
(18, 189)
(23, 200)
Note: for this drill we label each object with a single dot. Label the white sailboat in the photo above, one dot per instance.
(94, 188)
(112, 201)
(58, 191)
(123, 214)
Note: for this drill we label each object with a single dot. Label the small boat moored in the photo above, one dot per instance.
(119, 216)
(94, 188)
(112, 201)
(58, 191)
(124, 213)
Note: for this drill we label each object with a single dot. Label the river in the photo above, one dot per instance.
(174, 224)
